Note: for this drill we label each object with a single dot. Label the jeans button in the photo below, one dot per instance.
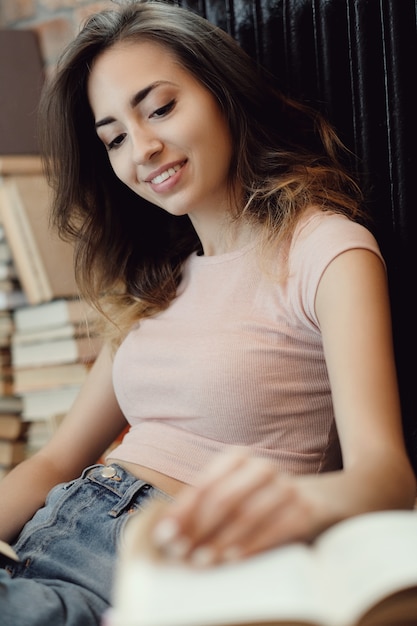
(108, 472)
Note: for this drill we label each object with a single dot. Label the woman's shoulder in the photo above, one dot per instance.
(319, 237)
(325, 232)
(317, 219)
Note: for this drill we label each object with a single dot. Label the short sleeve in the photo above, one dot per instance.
(317, 241)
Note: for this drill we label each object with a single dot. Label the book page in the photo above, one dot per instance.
(282, 583)
(371, 556)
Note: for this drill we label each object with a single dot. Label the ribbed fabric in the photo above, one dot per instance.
(354, 60)
(237, 359)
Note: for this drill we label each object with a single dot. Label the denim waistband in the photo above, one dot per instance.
(121, 482)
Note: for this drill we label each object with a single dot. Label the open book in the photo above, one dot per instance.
(360, 572)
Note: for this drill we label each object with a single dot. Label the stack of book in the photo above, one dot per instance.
(6, 373)
(44, 263)
(13, 433)
(52, 349)
(11, 291)
(12, 429)
(36, 267)
(11, 295)
(50, 338)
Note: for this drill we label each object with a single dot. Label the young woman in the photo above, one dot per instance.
(247, 338)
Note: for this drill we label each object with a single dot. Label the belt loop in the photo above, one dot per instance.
(88, 470)
(139, 488)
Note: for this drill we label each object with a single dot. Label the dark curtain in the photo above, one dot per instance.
(354, 60)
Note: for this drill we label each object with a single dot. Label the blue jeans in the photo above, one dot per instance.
(67, 550)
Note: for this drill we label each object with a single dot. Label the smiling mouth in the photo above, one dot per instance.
(167, 174)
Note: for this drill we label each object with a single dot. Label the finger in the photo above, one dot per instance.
(290, 525)
(180, 513)
(200, 512)
(257, 524)
(217, 503)
(189, 497)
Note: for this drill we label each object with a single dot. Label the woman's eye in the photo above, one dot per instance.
(164, 110)
(116, 142)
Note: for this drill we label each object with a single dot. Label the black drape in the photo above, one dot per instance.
(355, 60)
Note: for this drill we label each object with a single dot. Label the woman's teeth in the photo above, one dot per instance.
(165, 175)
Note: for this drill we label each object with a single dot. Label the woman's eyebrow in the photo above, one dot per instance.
(135, 100)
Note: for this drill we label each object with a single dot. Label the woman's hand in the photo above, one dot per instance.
(242, 505)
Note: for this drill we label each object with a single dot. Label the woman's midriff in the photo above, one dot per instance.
(169, 485)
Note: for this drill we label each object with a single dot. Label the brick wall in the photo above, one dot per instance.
(54, 21)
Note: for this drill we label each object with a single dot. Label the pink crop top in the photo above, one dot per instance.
(236, 359)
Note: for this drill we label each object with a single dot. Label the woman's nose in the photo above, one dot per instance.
(145, 145)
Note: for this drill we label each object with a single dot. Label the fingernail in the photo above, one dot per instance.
(202, 557)
(177, 549)
(165, 531)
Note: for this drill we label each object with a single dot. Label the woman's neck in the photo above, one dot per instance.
(222, 236)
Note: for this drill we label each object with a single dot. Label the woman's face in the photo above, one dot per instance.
(165, 134)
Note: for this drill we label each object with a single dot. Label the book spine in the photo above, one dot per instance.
(28, 263)
(10, 300)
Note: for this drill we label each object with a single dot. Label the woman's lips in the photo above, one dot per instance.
(165, 178)
(166, 174)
